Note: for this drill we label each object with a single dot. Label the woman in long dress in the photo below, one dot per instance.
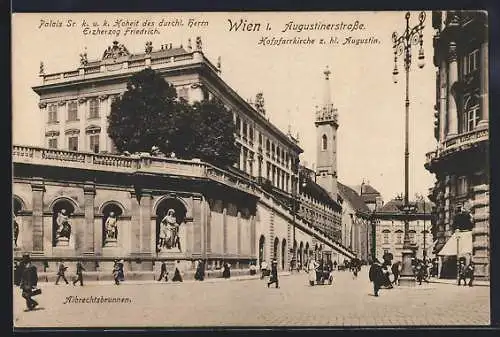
(311, 269)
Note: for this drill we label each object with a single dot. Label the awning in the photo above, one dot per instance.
(461, 242)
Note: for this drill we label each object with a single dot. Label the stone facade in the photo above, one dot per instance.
(221, 216)
(460, 162)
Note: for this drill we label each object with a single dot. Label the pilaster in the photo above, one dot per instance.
(145, 223)
(480, 232)
(88, 236)
(483, 89)
(135, 224)
(197, 226)
(37, 188)
(238, 233)
(224, 229)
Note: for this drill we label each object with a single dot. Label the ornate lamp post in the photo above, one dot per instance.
(403, 45)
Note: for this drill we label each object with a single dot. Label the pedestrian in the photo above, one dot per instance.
(226, 272)
(253, 268)
(60, 273)
(335, 264)
(29, 281)
(163, 272)
(376, 276)
(462, 272)
(470, 273)
(79, 273)
(177, 273)
(200, 271)
(264, 269)
(396, 269)
(311, 269)
(274, 274)
(116, 272)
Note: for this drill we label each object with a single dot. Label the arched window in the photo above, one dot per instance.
(471, 115)
(324, 142)
(262, 242)
(399, 237)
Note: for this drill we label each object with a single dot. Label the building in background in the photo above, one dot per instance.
(390, 229)
(356, 223)
(460, 161)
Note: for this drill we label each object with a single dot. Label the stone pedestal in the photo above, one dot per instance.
(62, 242)
(407, 278)
(111, 243)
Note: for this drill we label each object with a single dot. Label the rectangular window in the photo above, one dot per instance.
(473, 118)
(73, 143)
(462, 186)
(72, 111)
(52, 113)
(94, 143)
(184, 94)
(260, 139)
(93, 108)
(250, 134)
(52, 143)
(386, 238)
(399, 238)
(244, 130)
(471, 62)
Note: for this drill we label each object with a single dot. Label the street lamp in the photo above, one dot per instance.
(402, 44)
(457, 235)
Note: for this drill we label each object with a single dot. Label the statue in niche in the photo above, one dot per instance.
(111, 228)
(63, 225)
(169, 232)
(15, 226)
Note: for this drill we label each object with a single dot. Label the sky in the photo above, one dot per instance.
(370, 106)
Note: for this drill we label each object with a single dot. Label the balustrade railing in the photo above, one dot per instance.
(457, 142)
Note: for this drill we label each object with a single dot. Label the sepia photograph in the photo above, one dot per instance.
(250, 169)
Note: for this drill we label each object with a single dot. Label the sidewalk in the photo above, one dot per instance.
(478, 283)
(207, 280)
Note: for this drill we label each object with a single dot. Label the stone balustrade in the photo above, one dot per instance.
(126, 66)
(457, 143)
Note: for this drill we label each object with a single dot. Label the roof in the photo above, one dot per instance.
(319, 193)
(395, 204)
(367, 193)
(353, 197)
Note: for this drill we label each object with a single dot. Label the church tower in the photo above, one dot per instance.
(326, 141)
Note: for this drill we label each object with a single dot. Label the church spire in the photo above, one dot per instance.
(326, 113)
(327, 99)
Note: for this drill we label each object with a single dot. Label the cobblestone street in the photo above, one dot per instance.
(347, 302)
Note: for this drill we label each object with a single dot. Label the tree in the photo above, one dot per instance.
(213, 133)
(146, 115)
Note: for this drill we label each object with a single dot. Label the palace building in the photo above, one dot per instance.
(75, 198)
(460, 160)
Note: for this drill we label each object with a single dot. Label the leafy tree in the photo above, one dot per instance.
(150, 114)
(213, 133)
(146, 115)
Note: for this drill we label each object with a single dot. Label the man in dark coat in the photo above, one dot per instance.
(200, 271)
(274, 274)
(376, 276)
(395, 271)
(469, 272)
(163, 272)
(29, 280)
(79, 273)
(60, 273)
(177, 272)
(462, 272)
(226, 272)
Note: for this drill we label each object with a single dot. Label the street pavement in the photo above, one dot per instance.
(248, 302)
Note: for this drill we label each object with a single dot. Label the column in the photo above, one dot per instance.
(37, 244)
(208, 226)
(88, 236)
(483, 86)
(145, 223)
(197, 226)
(452, 79)
(442, 100)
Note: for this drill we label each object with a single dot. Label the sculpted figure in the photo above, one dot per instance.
(169, 230)
(111, 226)
(63, 225)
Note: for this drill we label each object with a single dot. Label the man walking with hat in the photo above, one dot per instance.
(274, 274)
(29, 280)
